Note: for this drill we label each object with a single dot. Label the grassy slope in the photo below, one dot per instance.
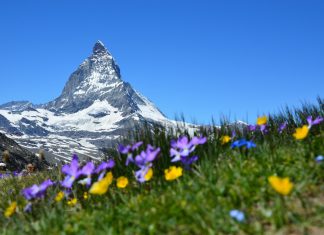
(199, 202)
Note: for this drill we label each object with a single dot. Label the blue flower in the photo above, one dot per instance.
(319, 158)
(243, 142)
(237, 215)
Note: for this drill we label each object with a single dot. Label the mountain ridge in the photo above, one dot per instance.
(94, 109)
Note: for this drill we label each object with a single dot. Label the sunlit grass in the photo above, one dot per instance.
(199, 200)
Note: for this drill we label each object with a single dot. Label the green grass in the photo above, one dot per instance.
(198, 202)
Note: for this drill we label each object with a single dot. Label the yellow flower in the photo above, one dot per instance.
(281, 185)
(301, 132)
(11, 209)
(101, 186)
(72, 202)
(122, 182)
(173, 173)
(149, 174)
(225, 139)
(262, 120)
(85, 195)
(59, 196)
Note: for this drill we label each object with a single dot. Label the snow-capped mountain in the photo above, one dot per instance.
(95, 108)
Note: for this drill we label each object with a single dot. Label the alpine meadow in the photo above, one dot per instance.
(199, 117)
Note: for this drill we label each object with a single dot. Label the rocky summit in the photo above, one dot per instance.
(94, 109)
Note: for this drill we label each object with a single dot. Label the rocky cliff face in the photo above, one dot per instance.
(18, 157)
(94, 109)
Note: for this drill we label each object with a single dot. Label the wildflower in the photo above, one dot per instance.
(282, 127)
(252, 127)
(36, 191)
(183, 147)
(144, 162)
(72, 202)
(172, 173)
(28, 207)
(128, 150)
(237, 215)
(319, 158)
(143, 174)
(122, 182)
(11, 209)
(72, 171)
(281, 185)
(301, 132)
(262, 120)
(104, 166)
(242, 142)
(263, 129)
(312, 122)
(100, 187)
(149, 174)
(85, 195)
(198, 140)
(146, 157)
(87, 170)
(59, 196)
(187, 161)
(225, 139)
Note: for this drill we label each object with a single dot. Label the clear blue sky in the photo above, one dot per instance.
(196, 57)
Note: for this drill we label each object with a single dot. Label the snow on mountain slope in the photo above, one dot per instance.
(95, 108)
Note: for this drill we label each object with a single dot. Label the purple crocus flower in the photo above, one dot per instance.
(182, 147)
(312, 122)
(147, 156)
(128, 150)
(187, 161)
(198, 140)
(144, 162)
(243, 142)
(140, 174)
(263, 129)
(252, 127)
(36, 191)
(319, 159)
(237, 215)
(182, 143)
(72, 172)
(282, 127)
(87, 170)
(104, 166)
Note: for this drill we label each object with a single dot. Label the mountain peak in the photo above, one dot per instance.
(99, 47)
